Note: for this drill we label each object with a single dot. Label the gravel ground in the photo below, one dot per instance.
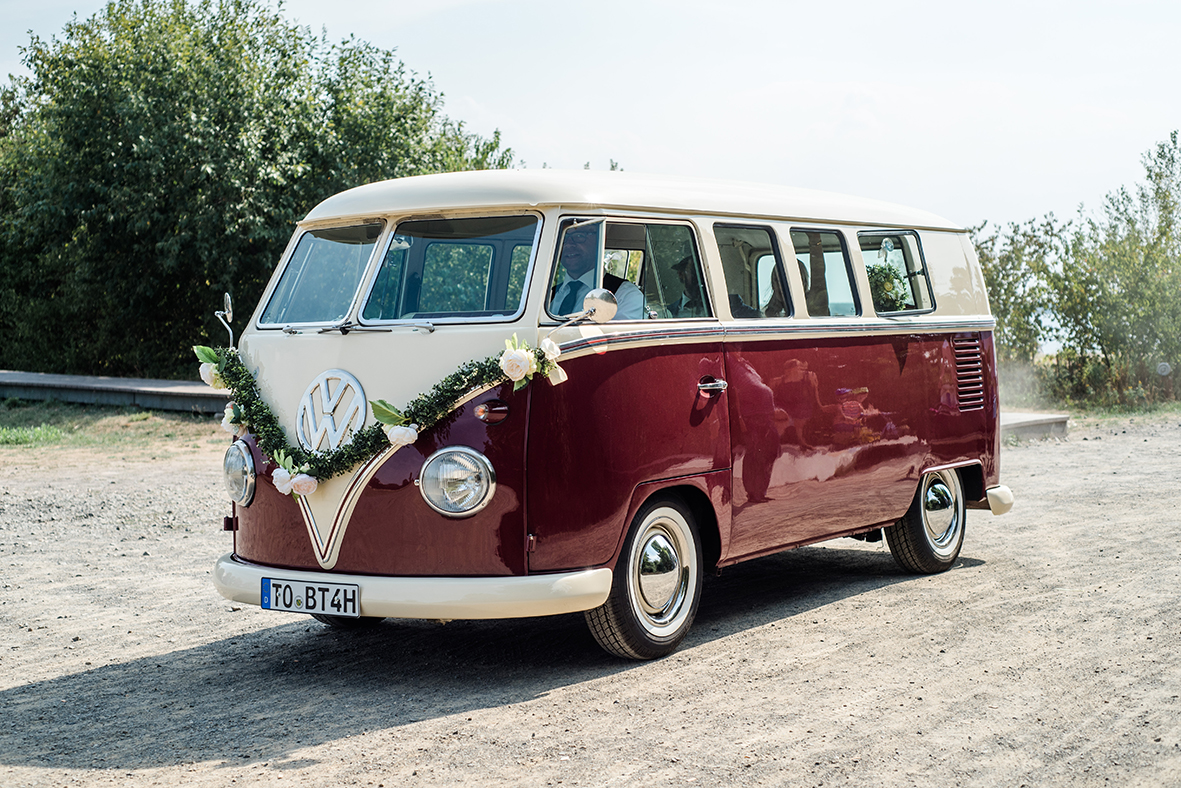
(1047, 656)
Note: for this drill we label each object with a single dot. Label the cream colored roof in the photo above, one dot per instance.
(588, 190)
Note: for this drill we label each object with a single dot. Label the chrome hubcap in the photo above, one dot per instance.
(661, 572)
(942, 517)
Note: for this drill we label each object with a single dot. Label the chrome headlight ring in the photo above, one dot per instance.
(238, 466)
(457, 481)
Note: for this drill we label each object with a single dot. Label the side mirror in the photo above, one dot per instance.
(601, 305)
(226, 316)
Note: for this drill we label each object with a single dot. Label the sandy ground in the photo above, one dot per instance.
(1047, 656)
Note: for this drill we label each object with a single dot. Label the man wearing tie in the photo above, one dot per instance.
(580, 250)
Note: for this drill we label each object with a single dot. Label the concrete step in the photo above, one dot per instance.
(180, 395)
(1028, 424)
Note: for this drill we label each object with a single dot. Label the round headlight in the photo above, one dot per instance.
(457, 481)
(238, 466)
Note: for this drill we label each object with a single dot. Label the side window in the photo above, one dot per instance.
(824, 267)
(653, 269)
(897, 273)
(754, 280)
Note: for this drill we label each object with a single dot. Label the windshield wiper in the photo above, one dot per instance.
(345, 326)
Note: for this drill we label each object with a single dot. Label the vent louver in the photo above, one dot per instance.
(969, 372)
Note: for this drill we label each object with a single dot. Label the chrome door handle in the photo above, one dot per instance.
(712, 387)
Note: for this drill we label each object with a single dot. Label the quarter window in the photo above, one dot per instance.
(824, 268)
(897, 273)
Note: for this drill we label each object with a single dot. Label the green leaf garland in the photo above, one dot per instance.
(426, 411)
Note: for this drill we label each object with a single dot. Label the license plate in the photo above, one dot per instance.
(333, 599)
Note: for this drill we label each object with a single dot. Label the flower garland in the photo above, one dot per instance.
(300, 470)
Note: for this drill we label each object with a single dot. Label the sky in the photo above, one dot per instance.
(1000, 111)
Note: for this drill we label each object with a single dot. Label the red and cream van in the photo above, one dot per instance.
(719, 371)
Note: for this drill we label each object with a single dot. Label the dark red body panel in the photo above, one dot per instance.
(812, 439)
(625, 417)
(392, 530)
(831, 436)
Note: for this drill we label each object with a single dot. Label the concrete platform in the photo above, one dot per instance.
(180, 395)
(1024, 424)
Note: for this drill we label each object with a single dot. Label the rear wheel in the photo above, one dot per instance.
(656, 585)
(345, 622)
(929, 536)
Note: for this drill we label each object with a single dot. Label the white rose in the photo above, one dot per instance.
(226, 424)
(282, 480)
(551, 349)
(401, 436)
(304, 484)
(211, 376)
(518, 363)
(237, 430)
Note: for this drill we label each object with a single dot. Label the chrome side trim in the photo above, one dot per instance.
(434, 597)
(805, 328)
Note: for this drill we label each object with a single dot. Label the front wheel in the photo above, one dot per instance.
(929, 536)
(656, 585)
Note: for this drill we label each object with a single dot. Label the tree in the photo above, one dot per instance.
(159, 155)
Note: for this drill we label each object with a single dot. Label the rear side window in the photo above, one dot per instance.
(453, 268)
(755, 285)
(823, 263)
(322, 275)
(897, 272)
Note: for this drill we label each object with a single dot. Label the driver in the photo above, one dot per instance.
(579, 252)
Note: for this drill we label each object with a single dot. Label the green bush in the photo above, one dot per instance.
(159, 155)
(1107, 288)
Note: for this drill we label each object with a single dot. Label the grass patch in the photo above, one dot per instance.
(21, 436)
(70, 425)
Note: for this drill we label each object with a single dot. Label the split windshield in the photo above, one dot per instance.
(435, 269)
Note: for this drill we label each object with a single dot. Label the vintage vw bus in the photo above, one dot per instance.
(736, 370)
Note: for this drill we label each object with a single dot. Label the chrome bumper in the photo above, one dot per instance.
(434, 597)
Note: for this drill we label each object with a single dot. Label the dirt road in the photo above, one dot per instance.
(1048, 656)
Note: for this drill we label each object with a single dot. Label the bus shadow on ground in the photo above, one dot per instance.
(262, 695)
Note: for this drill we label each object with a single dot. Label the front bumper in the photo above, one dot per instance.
(434, 597)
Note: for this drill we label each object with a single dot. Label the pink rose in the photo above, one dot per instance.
(304, 484)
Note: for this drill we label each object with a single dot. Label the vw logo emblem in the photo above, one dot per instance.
(333, 406)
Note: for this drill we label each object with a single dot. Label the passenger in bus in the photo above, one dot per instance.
(690, 304)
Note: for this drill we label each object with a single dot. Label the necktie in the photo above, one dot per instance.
(573, 299)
